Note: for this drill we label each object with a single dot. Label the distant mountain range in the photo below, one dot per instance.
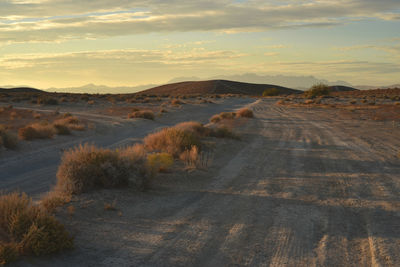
(295, 82)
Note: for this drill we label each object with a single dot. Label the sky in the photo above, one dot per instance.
(65, 43)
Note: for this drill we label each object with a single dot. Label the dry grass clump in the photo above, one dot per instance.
(87, 167)
(176, 102)
(54, 199)
(223, 116)
(67, 123)
(144, 114)
(160, 162)
(172, 140)
(47, 101)
(245, 113)
(27, 229)
(223, 132)
(195, 127)
(7, 139)
(37, 131)
(194, 158)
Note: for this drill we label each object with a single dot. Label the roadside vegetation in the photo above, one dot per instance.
(242, 113)
(317, 90)
(7, 138)
(28, 230)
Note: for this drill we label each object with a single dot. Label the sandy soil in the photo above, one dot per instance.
(302, 188)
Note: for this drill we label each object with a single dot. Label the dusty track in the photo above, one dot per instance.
(32, 169)
(304, 189)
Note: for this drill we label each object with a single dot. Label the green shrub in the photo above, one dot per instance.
(160, 162)
(317, 90)
(271, 92)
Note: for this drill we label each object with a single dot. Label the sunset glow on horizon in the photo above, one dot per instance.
(46, 43)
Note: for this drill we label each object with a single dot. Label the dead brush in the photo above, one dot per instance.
(223, 116)
(171, 140)
(26, 229)
(54, 199)
(67, 123)
(144, 114)
(111, 206)
(42, 130)
(176, 102)
(8, 139)
(88, 167)
(195, 159)
(245, 113)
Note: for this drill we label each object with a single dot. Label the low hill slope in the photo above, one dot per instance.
(341, 88)
(215, 87)
(20, 90)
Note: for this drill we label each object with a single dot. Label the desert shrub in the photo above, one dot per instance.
(67, 123)
(144, 114)
(160, 162)
(171, 140)
(176, 102)
(271, 92)
(87, 167)
(54, 199)
(8, 252)
(37, 131)
(222, 116)
(215, 118)
(223, 132)
(317, 90)
(190, 157)
(61, 129)
(245, 113)
(26, 229)
(195, 127)
(8, 139)
(47, 101)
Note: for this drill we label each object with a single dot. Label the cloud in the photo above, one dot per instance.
(393, 50)
(120, 57)
(59, 20)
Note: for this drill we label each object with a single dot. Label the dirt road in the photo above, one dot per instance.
(32, 168)
(303, 188)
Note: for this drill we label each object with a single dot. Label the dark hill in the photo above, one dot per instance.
(215, 87)
(20, 90)
(341, 88)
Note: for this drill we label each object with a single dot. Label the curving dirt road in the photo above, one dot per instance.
(303, 188)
